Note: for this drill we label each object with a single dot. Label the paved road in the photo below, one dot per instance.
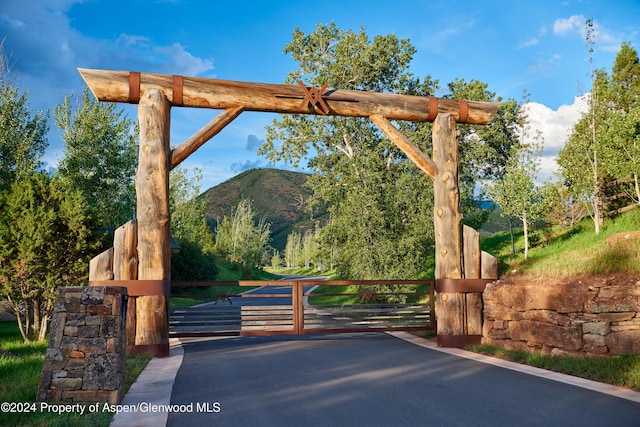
(372, 380)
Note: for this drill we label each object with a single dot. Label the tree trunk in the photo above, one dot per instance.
(35, 332)
(513, 244)
(597, 196)
(154, 242)
(525, 225)
(42, 334)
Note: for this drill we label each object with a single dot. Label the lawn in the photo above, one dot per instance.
(567, 252)
(623, 371)
(186, 297)
(20, 368)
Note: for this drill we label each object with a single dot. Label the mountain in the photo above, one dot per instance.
(277, 195)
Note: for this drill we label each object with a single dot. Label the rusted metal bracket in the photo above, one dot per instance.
(177, 83)
(138, 288)
(458, 341)
(462, 285)
(134, 87)
(315, 97)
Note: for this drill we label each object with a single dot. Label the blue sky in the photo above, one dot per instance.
(511, 45)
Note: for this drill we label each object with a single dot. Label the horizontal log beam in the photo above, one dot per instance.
(125, 86)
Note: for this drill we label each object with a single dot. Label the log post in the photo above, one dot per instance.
(472, 270)
(125, 254)
(489, 266)
(154, 241)
(101, 266)
(447, 224)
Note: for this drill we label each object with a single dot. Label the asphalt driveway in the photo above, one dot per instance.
(371, 380)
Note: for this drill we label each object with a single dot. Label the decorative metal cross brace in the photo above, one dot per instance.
(368, 295)
(314, 97)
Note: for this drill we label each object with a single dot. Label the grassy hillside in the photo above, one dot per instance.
(574, 251)
(277, 195)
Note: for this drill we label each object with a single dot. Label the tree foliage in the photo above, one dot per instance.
(100, 157)
(23, 134)
(380, 203)
(46, 241)
(517, 192)
(241, 239)
(604, 145)
(196, 259)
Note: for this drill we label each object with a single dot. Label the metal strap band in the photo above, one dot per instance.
(458, 341)
(433, 108)
(137, 288)
(177, 90)
(462, 285)
(464, 111)
(134, 87)
(154, 350)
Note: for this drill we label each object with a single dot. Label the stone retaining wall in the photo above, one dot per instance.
(594, 317)
(85, 360)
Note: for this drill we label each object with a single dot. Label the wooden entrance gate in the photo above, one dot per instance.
(287, 307)
(459, 302)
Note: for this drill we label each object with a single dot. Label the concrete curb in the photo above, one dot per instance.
(153, 387)
(612, 390)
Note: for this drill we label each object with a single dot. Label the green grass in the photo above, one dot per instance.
(622, 371)
(301, 271)
(344, 299)
(20, 369)
(335, 299)
(226, 272)
(571, 252)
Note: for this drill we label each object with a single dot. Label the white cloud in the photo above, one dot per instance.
(528, 43)
(44, 50)
(544, 64)
(440, 38)
(573, 24)
(13, 24)
(604, 38)
(184, 62)
(555, 127)
(253, 143)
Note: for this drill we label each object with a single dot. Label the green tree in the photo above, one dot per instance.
(358, 170)
(46, 241)
(241, 239)
(196, 259)
(485, 150)
(293, 250)
(622, 127)
(605, 144)
(380, 203)
(23, 134)
(100, 156)
(517, 193)
(625, 79)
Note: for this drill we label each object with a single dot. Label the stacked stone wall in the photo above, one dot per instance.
(593, 317)
(85, 359)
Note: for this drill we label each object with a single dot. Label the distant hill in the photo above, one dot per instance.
(276, 195)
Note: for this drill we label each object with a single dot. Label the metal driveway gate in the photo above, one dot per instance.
(288, 307)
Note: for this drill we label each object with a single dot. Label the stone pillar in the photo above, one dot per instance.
(85, 359)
